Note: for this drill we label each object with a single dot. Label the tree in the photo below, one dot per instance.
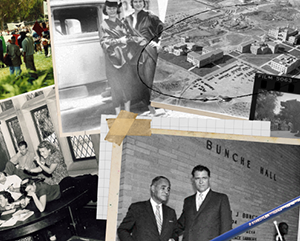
(266, 104)
(290, 111)
(19, 10)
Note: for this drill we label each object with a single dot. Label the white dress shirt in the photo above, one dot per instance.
(154, 204)
(204, 194)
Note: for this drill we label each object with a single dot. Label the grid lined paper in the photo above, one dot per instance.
(202, 124)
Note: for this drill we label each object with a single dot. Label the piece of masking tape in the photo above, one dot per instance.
(126, 124)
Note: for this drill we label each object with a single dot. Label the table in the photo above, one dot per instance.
(55, 211)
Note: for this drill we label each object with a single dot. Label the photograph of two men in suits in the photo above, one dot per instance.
(205, 215)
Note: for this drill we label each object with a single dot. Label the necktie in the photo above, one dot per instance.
(200, 200)
(158, 218)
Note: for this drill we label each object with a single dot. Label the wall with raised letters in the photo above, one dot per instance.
(257, 177)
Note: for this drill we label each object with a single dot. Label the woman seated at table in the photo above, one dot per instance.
(41, 193)
(7, 202)
(51, 161)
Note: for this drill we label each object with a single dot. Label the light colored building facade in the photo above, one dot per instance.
(285, 63)
(201, 60)
(282, 33)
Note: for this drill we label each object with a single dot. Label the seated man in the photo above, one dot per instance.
(10, 184)
(24, 158)
(10, 169)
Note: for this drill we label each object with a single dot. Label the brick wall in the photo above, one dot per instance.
(257, 177)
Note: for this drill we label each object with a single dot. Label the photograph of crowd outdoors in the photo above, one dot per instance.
(211, 52)
(25, 47)
(112, 45)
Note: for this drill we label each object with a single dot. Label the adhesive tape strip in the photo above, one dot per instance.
(127, 124)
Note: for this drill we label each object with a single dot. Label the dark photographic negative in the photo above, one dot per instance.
(276, 99)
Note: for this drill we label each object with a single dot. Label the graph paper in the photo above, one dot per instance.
(200, 124)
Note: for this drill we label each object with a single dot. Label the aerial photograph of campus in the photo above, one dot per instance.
(211, 50)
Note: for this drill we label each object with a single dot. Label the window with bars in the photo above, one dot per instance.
(44, 125)
(15, 131)
(81, 147)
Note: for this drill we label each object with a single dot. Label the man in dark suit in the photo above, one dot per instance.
(151, 220)
(206, 214)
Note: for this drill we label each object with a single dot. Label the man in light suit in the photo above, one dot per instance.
(206, 214)
(151, 220)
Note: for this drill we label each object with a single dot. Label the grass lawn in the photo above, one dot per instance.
(11, 86)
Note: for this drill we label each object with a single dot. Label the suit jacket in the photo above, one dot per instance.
(211, 220)
(140, 223)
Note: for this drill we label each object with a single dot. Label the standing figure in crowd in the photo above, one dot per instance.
(150, 27)
(41, 193)
(51, 161)
(1, 53)
(37, 42)
(15, 54)
(24, 158)
(28, 51)
(151, 220)
(114, 43)
(45, 42)
(206, 214)
(20, 38)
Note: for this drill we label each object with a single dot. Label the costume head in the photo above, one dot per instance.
(283, 228)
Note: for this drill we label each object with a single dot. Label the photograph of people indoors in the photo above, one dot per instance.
(113, 46)
(48, 183)
(206, 186)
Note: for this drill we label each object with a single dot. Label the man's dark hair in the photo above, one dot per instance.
(200, 168)
(22, 143)
(28, 181)
(156, 179)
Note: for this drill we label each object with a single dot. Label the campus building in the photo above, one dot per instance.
(177, 49)
(282, 33)
(200, 60)
(254, 47)
(285, 63)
